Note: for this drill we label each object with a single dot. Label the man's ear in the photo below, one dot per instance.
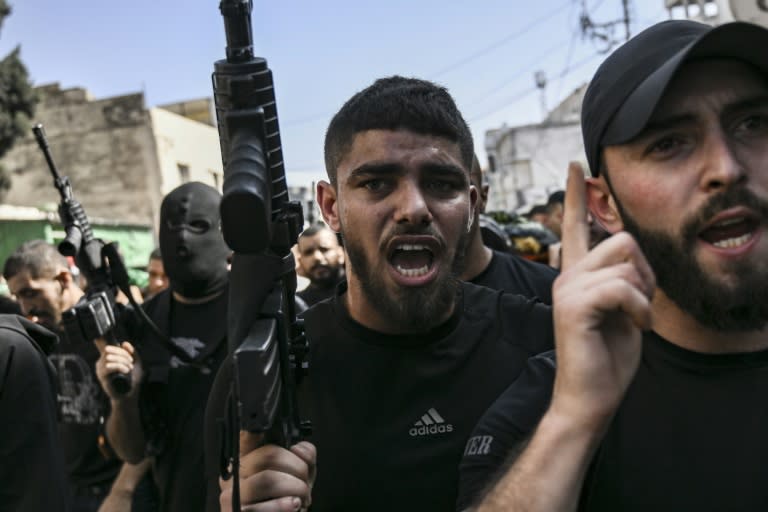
(483, 197)
(473, 202)
(329, 205)
(66, 281)
(602, 205)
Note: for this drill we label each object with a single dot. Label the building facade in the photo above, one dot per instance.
(527, 163)
(120, 156)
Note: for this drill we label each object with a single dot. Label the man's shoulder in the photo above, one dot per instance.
(505, 427)
(24, 346)
(526, 322)
(515, 274)
(502, 305)
(160, 300)
(321, 315)
(17, 331)
(518, 262)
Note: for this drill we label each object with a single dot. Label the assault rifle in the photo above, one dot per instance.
(94, 314)
(260, 224)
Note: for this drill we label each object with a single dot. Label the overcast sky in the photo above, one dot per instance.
(322, 52)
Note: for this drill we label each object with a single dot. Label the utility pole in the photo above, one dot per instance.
(541, 84)
(603, 33)
(625, 6)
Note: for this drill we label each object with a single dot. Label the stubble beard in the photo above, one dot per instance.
(737, 307)
(330, 279)
(416, 309)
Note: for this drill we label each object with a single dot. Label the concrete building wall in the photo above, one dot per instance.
(104, 146)
(201, 110)
(121, 157)
(530, 162)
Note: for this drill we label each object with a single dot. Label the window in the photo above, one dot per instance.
(183, 172)
(215, 179)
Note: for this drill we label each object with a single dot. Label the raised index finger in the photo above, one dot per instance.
(575, 231)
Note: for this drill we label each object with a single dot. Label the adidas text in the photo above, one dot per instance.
(430, 423)
(432, 429)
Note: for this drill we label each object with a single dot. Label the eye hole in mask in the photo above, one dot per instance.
(197, 226)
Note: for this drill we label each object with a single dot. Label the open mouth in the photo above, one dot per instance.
(412, 259)
(182, 251)
(732, 232)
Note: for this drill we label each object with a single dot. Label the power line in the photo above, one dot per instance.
(571, 47)
(523, 93)
(499, 43)
(537, 60)
(305, 120)
(507, 102)
(324, 116)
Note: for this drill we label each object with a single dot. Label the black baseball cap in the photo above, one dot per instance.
(629, 84)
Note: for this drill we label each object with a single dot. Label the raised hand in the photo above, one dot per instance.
(601, 306)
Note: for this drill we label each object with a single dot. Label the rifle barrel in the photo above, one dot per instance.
(42, 141)
(237, 25)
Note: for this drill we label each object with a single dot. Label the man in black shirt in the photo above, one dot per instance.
(39, 278)
(405, 357)
(502, 270)
(662, 330)
(162, 416)
(321, 259)
(32, 475)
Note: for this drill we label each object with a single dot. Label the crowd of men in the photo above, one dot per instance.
(444, 374)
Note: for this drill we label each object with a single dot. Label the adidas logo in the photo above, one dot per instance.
(430, 423)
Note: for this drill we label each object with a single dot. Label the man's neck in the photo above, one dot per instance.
(477, 257)
(362, 311)
(196, 300)
(680, 328)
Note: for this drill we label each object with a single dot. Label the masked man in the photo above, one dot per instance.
(162, 416)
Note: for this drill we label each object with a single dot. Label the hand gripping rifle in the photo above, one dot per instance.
(95, 314)
(260, 225)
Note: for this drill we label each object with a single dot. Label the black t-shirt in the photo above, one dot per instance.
(314, 293)
(689, 434)
(391, 414)
(32, 476)
(82, 407)
(513, 274)
(174, 394)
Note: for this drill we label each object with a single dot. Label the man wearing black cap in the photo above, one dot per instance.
(162, 416)
(662, 338)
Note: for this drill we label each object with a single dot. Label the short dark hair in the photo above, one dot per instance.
(537, 209)
(397, 103)
(313, 230)
(37, 257)
(555, 198)
(155, 254)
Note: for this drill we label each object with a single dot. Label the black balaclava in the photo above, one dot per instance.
(192, 247)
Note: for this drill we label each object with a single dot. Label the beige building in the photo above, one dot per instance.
(527, 163)
(120, 156)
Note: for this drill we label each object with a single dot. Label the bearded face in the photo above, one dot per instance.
(735, 299)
